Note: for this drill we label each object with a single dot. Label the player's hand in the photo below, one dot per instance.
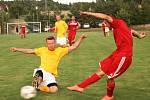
(142, 35)
(83, 36)
(52, 29)
(13, 49)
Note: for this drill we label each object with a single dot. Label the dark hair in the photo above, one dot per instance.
(50, 38)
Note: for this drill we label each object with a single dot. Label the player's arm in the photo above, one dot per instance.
(139, 35)
(78, 25)
(98, 15)
(66, 26)
(54, 29)
(77, 43)
(23, 50)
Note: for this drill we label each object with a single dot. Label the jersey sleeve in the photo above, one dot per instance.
(38, 51)
(64, 51)
(114, 23)
(65, 25)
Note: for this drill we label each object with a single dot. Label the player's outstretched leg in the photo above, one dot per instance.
(81, 86)
(51, 89)
(107, 98)
(76, 88)
(110, 89)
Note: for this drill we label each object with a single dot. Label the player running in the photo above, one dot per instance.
(60, 29)
(23, 31)
(44, 76)
(118, 62)
(73, 26)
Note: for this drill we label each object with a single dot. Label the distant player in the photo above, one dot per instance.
(118, 62)
(44, 76)
(23, 31)
(60, 29)
(17, 29)
(105, 28)
(73, 26)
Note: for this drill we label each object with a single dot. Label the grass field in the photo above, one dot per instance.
(16, 68)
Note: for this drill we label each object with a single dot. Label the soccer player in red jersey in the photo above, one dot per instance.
(118, 62)
(23, 31)
(73, 25)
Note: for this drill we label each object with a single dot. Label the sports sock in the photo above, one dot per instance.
(70, 43)
(90, 80)
(110, 88)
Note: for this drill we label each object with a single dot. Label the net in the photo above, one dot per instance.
(31, 27)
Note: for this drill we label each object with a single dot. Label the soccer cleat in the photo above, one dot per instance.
(36, 81)
(107, 98)
(76, 88)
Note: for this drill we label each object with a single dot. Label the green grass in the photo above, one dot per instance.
(16, 68)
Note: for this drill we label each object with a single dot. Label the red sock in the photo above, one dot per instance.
(110, 88)
(70, 43)
(89, 81)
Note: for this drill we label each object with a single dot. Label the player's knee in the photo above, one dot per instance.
(53, 89)
(110, 83)
(110, 80)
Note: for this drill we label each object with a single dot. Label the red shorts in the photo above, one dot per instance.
(114, 66)
(71, 35)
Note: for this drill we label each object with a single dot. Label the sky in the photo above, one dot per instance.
(72, 1)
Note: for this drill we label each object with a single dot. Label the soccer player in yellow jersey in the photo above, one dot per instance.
(44, 76)
(61, 29)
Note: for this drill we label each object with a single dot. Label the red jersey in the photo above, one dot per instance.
(72, 25)
(123, 37)
(23, 28)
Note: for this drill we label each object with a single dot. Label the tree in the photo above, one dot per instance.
(4, 16)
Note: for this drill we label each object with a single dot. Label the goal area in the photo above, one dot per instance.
(31, 27)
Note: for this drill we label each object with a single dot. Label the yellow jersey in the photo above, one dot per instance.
(50, 59)
(61, 28)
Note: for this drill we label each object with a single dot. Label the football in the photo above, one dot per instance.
(28, 92)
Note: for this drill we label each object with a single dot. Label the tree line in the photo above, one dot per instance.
(134, 12)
